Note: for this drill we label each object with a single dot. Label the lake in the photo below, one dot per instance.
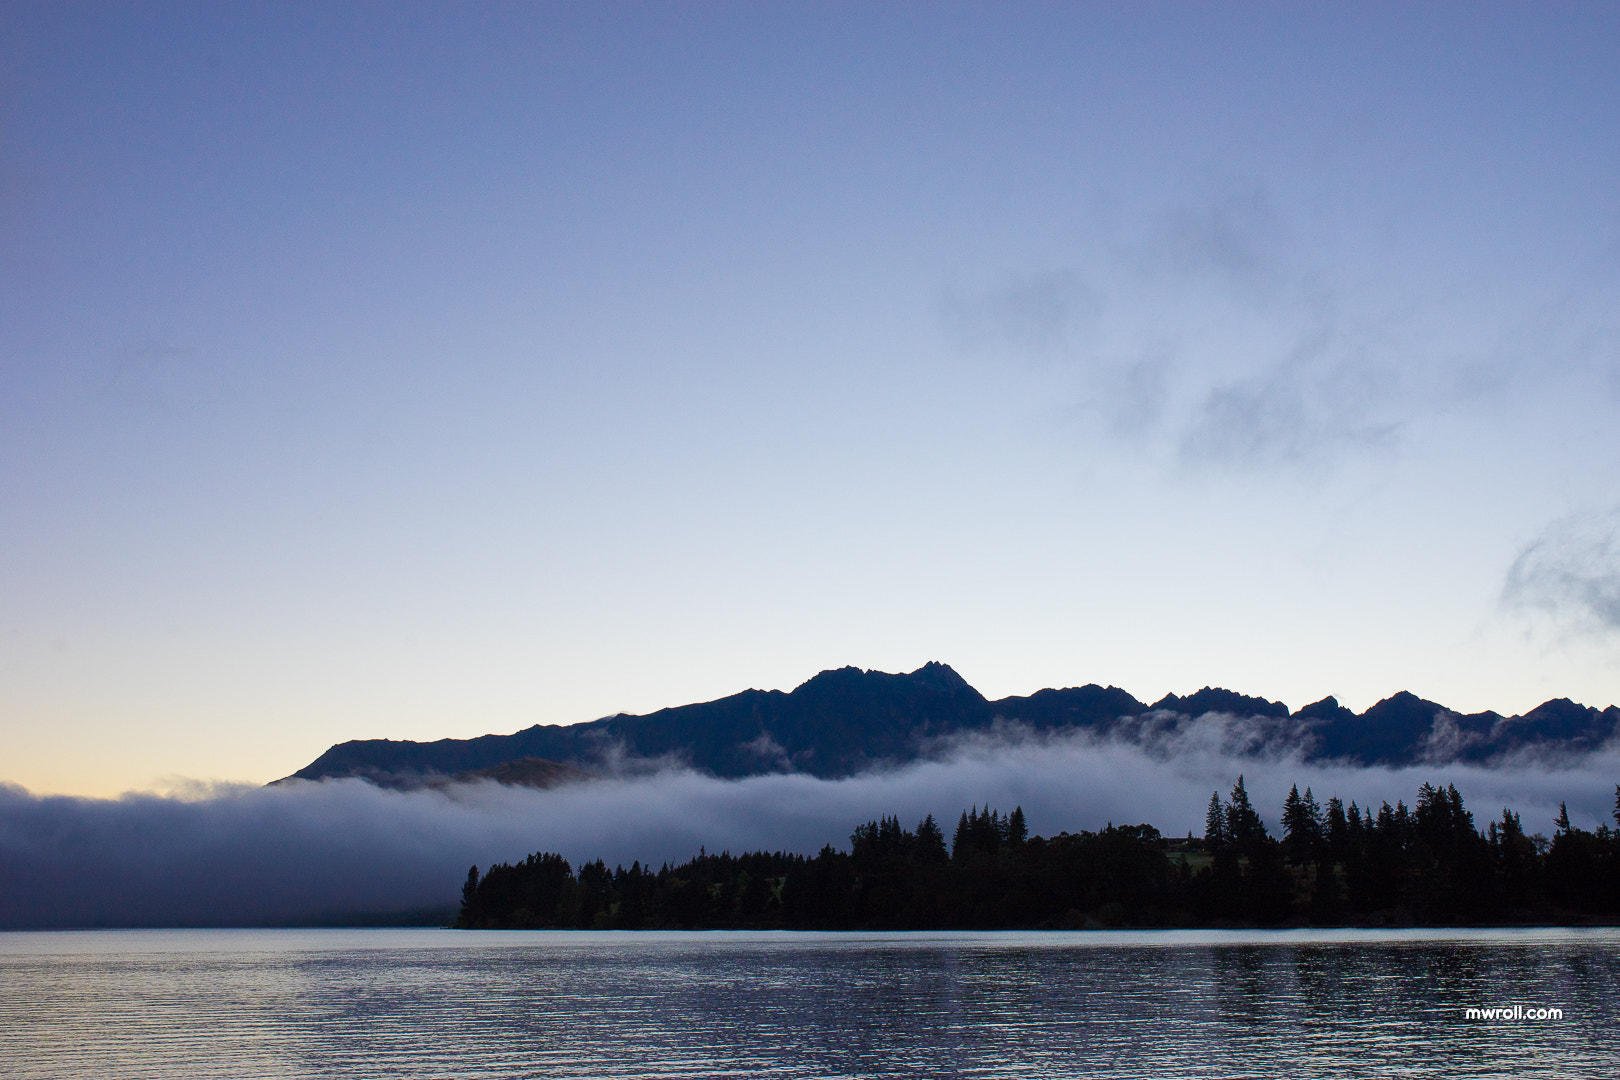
(444, 1003)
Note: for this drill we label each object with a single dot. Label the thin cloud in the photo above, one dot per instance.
(1235, 238)
(1321, 401)
(1216, 337)
(1572, 573)
(1035, 314)
(1213, 342)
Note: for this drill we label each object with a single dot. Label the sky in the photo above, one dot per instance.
(422, 371)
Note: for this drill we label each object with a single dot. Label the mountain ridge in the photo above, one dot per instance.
(844, 720)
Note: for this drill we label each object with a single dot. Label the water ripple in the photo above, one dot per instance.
(437, 1004)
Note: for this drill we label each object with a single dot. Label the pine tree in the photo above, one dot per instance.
(1335, 829)
(995, 829)
(1215, 823)
(1302, 825)
(469, 899)
(1293, 820)
(1243, 825)
(1291, 809)
(930, 842)
(1017, 830)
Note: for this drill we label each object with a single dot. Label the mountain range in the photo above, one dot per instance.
(844, 721)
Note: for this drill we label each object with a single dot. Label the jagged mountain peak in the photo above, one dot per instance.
(931, 676)
(1213, 699)
(1326, 709)
(844, 720)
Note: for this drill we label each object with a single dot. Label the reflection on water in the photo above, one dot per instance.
(426, 1003)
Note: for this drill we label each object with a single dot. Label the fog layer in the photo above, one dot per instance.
(342, 850)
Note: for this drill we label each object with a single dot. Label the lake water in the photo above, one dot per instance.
(442, 1003)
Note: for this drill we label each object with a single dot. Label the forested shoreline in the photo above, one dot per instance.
(1424, 865)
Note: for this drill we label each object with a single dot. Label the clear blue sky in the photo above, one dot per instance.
(424, 371)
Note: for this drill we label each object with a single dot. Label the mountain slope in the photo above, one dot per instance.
(845, 720)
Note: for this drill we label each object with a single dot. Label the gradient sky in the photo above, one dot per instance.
(424, 371)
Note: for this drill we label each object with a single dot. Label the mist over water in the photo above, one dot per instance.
(233, 855)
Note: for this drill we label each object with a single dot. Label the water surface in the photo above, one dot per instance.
(442, 1003)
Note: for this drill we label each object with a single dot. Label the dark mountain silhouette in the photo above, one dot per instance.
(527, 772)
(837, 724)
(1094, 707)
(1209, 700)
(1327, 711)
(844, 721)
(1392, 732)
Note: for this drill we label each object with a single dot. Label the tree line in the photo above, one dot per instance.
(1428, 864)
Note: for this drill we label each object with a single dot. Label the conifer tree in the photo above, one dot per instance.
(1302, 825)
(930, 842)
(1336, 829)
(1243, 825)
(1291, 810)
(1313, 817)
(1215, 822)
(469, 898)
(1294, 826)
(1017, 830)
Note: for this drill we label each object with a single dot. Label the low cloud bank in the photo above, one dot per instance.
(342, 849)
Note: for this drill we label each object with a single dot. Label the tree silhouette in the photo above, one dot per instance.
(1428, 864)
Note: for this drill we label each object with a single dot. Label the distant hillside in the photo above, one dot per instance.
(526, 772)
(841, 722)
